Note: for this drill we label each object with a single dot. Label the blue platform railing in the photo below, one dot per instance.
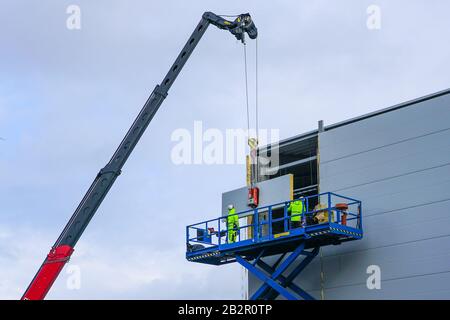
(269, 222)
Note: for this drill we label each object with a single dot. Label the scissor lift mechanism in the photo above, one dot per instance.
(207, 245)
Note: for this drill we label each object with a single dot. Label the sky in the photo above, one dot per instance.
(67, 97)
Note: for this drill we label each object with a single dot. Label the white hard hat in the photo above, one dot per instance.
(230, 206)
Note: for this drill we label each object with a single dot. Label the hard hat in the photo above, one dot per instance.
(230, 206)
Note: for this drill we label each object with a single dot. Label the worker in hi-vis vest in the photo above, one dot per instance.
(296, 208)
(232, 224)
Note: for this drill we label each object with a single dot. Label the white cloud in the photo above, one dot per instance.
(67, 98)
(108, 273)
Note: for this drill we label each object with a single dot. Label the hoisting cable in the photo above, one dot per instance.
(256, 107)
(246, 88)
(256, 88)
(252, 142)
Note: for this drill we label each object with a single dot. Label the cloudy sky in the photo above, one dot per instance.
(67, 97)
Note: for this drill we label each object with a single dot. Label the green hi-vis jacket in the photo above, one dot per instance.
(296, 207)
(232, 219)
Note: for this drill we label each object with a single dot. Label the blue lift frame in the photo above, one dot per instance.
(292, 243)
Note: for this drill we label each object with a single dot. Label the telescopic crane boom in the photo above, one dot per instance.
(64, 246)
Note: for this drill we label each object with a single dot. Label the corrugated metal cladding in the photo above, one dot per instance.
(398, 164)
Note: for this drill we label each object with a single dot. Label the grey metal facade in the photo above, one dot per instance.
(397, 161)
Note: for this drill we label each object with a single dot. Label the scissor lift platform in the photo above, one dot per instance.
(268, 231)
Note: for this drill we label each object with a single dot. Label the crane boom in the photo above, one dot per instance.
(64, 246)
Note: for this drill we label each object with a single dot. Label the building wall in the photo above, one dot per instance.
(398, 164)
